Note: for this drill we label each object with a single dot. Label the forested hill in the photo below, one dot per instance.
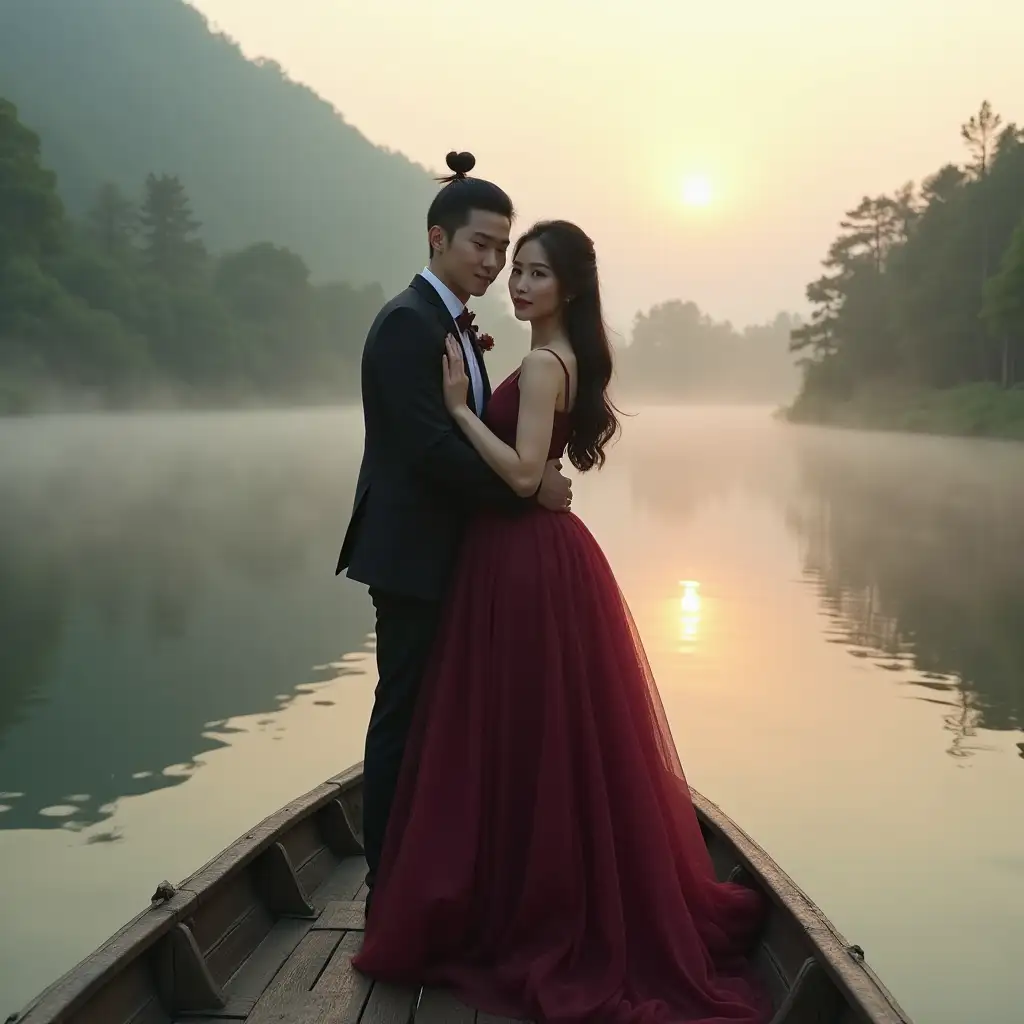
(121, 88)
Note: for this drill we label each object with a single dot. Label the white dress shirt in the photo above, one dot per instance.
(455, 306)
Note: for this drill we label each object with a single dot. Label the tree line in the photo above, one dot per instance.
(924, 287)
(127, 304)
(679, 353)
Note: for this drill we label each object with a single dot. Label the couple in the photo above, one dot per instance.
(529, 833)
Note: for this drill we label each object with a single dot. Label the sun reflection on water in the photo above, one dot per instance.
(689, 613)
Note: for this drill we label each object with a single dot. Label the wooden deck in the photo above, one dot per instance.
(302, 973)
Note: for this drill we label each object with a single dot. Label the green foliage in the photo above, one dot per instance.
(130, 93)
(982, 410)
(128, 304)
(113, 222)
(30, 211)
(1003, 307)
(120, 88)
(169, 249)
(924, 290)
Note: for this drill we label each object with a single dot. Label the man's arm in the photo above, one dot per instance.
(406, 365)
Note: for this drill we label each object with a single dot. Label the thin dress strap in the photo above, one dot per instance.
(568, 379)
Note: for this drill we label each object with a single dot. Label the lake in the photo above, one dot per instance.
(835, 621)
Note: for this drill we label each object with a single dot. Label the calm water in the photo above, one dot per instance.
(836, 622)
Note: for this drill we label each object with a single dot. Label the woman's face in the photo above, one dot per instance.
(532, 285)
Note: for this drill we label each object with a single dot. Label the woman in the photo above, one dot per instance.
(543, 858)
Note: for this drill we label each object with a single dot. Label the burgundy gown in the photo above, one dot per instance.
(543, 858)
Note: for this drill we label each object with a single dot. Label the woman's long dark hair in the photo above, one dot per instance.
(574, 263)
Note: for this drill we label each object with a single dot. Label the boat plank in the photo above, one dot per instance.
(316, 992)
(340, 993)
(293, 983)
(303, 841)
(342, 915)
(315, 871)
(253, 976)
(152, 1013)
(222, 911)
(342, 884)
(126, 997)
(390, 1004)
(439, 1006)
(251, 979)
(228, 954)
(228, 1015)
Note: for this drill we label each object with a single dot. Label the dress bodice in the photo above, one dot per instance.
(502, 416)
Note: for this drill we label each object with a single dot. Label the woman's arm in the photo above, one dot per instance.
(540, 381)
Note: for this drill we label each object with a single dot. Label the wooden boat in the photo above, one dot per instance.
(266, 931)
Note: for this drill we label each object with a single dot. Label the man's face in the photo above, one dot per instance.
(475, 255)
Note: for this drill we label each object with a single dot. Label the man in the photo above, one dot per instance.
(420, 481)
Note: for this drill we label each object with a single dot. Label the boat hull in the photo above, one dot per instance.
(266, 931)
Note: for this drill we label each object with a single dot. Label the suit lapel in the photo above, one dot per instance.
(424, 288)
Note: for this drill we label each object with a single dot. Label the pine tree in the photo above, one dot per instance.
(113, 221)
(170, 249)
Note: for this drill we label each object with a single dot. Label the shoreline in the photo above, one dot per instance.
(971, 410)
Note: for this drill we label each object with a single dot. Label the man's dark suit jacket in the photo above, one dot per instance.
(419, 480)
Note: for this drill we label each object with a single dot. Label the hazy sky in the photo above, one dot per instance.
(599, 110)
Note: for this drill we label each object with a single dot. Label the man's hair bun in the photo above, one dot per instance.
(460, 164)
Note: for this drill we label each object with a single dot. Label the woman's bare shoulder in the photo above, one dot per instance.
(549, 359)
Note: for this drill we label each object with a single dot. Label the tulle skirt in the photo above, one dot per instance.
(543, 857)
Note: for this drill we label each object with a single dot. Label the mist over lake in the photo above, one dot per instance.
(834, 620)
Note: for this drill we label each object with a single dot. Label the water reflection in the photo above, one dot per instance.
(681, 460)
(158, 576)
(914, 546)
(166, 587)
(689, 613)
(916, 549)
(161, 575)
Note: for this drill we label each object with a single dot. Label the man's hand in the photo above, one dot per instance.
(555, 492)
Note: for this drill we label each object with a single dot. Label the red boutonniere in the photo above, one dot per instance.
(464, 322)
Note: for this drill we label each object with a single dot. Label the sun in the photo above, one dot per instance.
(697, 190)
